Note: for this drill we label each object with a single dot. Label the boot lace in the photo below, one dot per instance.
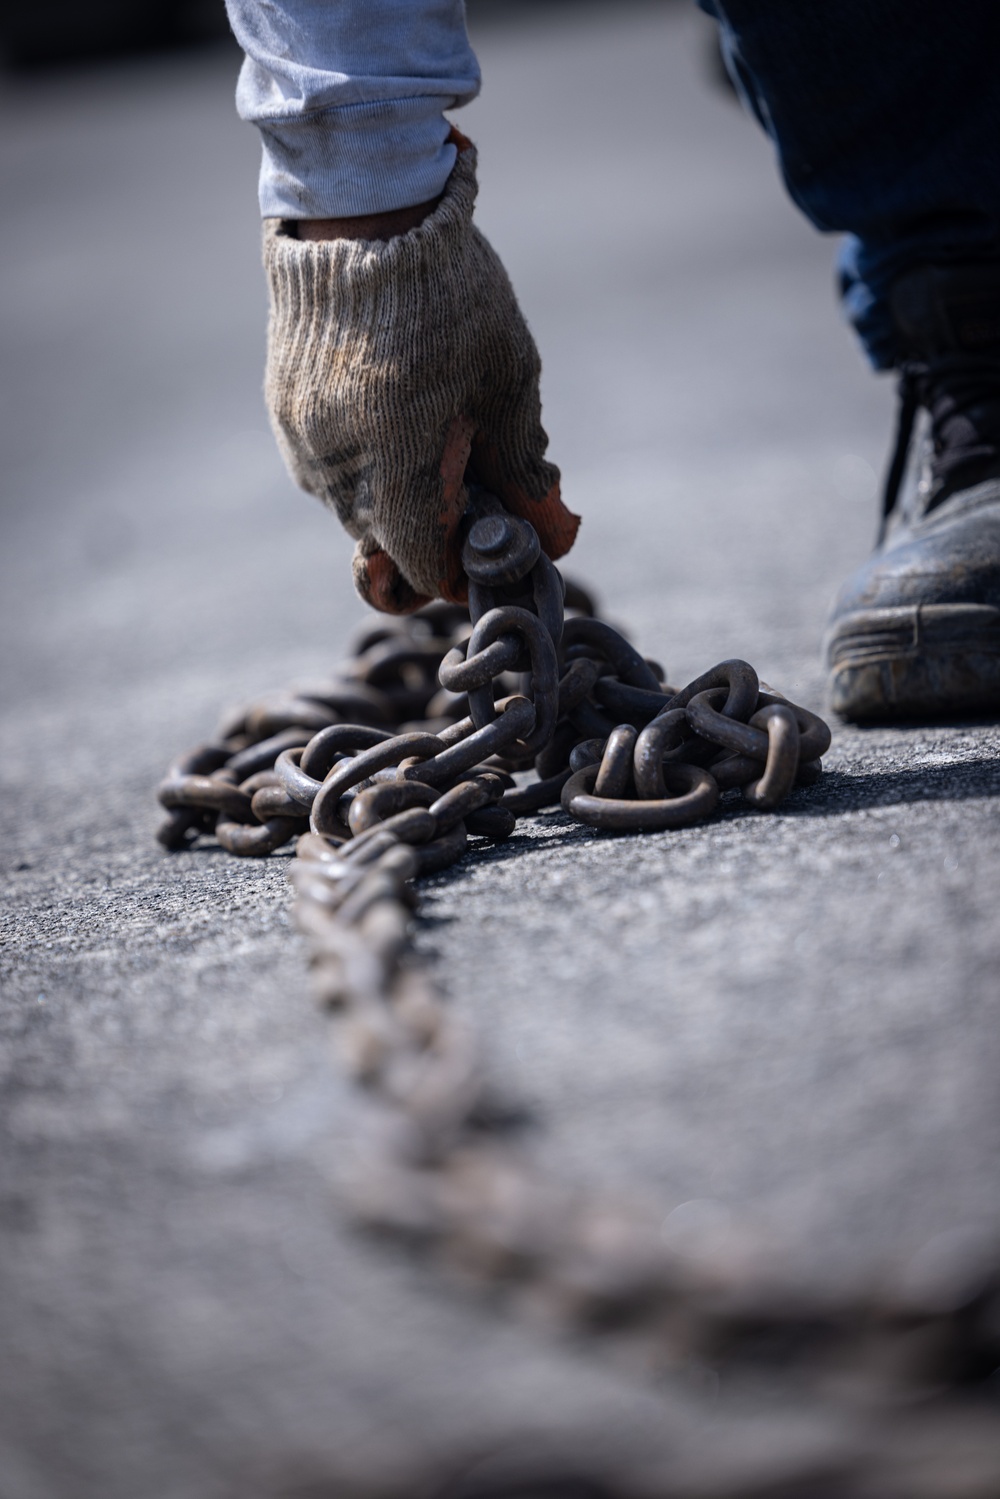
(961, 394)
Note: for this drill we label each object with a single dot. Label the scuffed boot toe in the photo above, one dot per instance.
(916, 631)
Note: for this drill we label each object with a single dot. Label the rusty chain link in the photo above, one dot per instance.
(450, 725)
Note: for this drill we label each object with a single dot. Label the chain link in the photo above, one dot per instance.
(383, 774)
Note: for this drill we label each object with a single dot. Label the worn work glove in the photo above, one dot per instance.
(396, 370)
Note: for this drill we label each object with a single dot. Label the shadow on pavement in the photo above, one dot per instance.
(838, 792)
(844, 791)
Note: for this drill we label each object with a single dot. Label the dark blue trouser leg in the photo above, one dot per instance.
(886, 119)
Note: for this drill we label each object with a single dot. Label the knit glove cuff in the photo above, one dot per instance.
(396, 370)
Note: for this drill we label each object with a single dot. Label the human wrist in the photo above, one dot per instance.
(366, 226)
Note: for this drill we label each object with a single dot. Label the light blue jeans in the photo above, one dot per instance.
(349, 97)
(885, 115)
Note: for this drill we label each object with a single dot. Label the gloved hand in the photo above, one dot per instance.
(395, 366)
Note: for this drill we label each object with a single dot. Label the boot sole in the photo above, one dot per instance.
(915, 661)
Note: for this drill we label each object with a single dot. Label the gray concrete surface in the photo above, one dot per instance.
(792, 1017)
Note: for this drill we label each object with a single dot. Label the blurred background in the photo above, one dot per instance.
(735, 1014)
(58, 32)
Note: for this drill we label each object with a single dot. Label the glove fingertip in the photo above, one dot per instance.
(454, 591)
(381, 584)
(557, 526)
(515, 484)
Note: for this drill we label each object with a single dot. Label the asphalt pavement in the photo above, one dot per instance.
(788, 1020)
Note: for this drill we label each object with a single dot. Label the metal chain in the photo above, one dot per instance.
(383, 774)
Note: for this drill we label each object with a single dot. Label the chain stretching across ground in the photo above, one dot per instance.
(385, 773)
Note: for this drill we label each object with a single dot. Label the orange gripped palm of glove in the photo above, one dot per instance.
(395, 370)
(381, 583)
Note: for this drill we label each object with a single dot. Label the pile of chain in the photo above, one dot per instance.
(384, 774)
(419, 734)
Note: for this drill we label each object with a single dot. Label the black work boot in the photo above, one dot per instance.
(915, 632)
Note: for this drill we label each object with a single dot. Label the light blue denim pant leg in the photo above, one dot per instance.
(349, 98)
